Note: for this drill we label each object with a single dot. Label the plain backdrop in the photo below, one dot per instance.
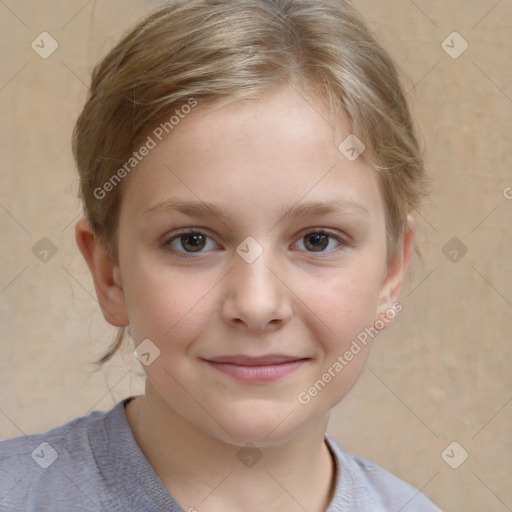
(440, 375)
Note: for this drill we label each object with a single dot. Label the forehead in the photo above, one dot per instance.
(279, 149)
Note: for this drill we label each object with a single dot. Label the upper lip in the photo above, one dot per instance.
(265, 360)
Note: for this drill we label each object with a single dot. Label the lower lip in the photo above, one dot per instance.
(266, 373)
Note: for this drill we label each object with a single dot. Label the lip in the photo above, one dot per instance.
(266, 368)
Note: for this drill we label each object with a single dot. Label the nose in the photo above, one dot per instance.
(257, 297)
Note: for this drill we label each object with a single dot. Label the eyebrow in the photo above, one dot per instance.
(203, 209)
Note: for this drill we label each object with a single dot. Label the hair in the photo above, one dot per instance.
(219, 51)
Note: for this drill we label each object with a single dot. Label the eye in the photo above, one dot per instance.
(189, 241)
(318, 241)
(193, 241)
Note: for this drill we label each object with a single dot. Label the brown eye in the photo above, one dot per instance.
(193, 243)
(190, 242)
(316, 241)
(319, 241)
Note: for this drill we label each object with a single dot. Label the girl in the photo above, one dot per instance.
(249, 174)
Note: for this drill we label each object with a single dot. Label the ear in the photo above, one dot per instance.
(105, 274)
(396, 272)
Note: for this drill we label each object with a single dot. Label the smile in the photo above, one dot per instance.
(256, 369)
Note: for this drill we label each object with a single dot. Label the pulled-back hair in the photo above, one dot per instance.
(219, 51)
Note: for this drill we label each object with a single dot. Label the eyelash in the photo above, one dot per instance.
(194, 231)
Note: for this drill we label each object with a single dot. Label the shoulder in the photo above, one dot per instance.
(44, 449)
(60, 433)
(379, 489)
(35, 468)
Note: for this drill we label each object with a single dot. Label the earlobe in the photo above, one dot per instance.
(397, 270)
(105, 274)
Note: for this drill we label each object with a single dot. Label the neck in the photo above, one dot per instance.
(206, 474)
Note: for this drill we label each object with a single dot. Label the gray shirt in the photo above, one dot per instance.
(93, 463)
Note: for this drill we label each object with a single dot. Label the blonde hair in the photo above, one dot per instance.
(219, 51)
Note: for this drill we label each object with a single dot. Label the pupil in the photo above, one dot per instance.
(316, 239)
(197, 242)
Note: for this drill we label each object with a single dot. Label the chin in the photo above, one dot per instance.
(261, 424)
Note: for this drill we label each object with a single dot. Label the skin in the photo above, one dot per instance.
(255, 159)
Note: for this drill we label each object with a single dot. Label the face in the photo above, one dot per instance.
(249, 291)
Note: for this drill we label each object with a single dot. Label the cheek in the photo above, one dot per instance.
(165, 304)
(345, 303)
(345, 308)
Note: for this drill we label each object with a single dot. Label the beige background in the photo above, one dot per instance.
(441, 374)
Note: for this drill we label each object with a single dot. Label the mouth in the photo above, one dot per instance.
(257, 369)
